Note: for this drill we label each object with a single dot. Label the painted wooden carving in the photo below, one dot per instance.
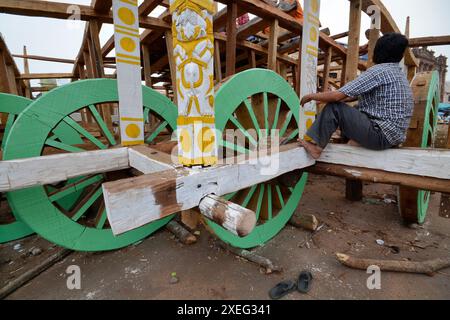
(193, 43)
(128, 60)
(310, 53)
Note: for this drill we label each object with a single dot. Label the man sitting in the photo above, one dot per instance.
(385, 107)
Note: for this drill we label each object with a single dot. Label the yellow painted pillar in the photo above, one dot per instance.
(193, 51)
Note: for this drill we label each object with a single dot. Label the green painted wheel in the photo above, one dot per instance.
(251, 102)
(51, 211)
(413, 203)
(11, 228)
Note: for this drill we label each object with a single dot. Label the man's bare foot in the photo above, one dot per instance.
(312, 149)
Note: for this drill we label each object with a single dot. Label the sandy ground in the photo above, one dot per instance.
(205, 271)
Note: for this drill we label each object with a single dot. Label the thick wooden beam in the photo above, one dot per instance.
(383, 177)
(58, 10)
(161, 194)
(273, 46)
(24, 173)
(353, 40)
(434, 163)
(235, 218)
(231, 40)
(429, 41)
(31, 76)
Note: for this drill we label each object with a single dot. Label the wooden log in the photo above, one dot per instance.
(33, 272)
(305, 221)
(161, 194)
(24, 173)
(434, 163)
(231, 40)
(273, 46)
(236, 219)
(181, 233)
(426, 267)
(264, 262)
(383, 177)
(139, 159)
(429, 41)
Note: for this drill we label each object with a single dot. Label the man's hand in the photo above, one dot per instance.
(306, 99)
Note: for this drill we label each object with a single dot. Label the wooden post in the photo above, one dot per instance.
(231, 39)
(172, 66)
(217, 62)
(252, 58)
(193, 54)
(309, 57)
(147, 64)
(236, 219)
(326, 69)
(26, 68)
(353, 189)
(129, 78)
(273, 46)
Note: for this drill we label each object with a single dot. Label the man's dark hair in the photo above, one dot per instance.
(390, 48)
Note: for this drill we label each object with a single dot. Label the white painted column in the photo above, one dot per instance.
(128, 61)
(310, 54)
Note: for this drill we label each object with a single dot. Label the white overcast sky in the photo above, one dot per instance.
(62, 39)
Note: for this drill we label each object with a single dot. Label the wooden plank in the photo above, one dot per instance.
(173, 68)
(42, 58)
(58, 10)
(273, 46)
(231, 40)
(429, 41)
(139, 157)
(217, 62)
(158, 195)
(434, 163)
(31, 76)
(26, 69)
(24, 173)
(383, 177)
(148, 6)
(147, 65)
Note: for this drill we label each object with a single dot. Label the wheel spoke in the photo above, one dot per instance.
(157, 131)
(87, 201)
(230, 196)
(84, 132)
(253, 117)
(74, 187)
(277, 114)
(62, 146)
(233, 146)
(280, 196)
(245, 132)
(260, 200)
(102, 219)
(269, 202)
(286, 123)
(108, 134)
(266, 111)
(249, 196)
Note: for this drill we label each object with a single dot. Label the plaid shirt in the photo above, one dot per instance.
(386, 97)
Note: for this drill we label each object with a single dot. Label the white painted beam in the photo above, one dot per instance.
(433, 163)
(24, 173)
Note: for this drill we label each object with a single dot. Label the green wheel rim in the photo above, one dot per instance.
(413, 203)
(35, 129)
(12, 105)
(428, 136)
(278, 109)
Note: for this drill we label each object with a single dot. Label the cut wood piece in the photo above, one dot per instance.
(24, 173)
(236, 219)
(426, 267)
(433, 163)
(181, 233)
(305, 221)
(378, 176)
(190, 218)
(264, 262)
(148, 160)
(152, 197)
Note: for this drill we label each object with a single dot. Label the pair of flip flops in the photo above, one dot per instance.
(302, 285)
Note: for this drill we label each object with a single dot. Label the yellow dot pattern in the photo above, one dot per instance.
(133, 131)
(126, 16)
(128, 44)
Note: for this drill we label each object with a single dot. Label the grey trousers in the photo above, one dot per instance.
(354, 124)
